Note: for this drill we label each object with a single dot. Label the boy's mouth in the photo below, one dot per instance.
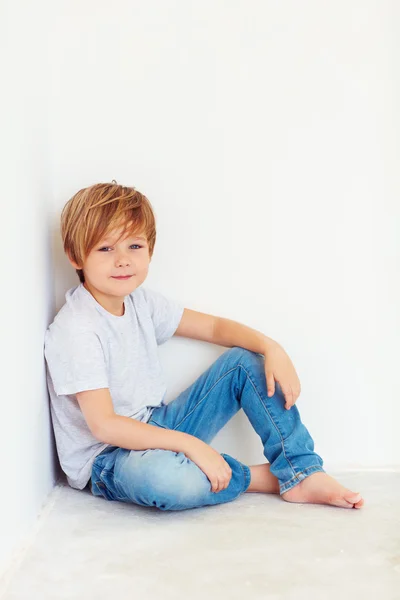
(122, 277)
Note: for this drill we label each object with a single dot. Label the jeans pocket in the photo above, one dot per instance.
(97, 486)
(104, 483)
(99, 489)
(101, 486)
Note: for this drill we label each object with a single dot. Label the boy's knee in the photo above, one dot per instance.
(243, 355)
(168, 480)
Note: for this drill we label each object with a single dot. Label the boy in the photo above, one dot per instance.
(113, 429)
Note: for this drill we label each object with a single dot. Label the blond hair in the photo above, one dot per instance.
(95, 211)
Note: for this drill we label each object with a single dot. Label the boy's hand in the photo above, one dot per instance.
(279, 367)
(211, 463)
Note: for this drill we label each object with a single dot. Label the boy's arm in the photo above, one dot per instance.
(125, 432)
(225, 332)
(220, 331)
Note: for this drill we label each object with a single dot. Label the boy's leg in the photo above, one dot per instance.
(237, 380)
(171, 481)
(165, 479)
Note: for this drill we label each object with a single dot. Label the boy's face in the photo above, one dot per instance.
(111, 258)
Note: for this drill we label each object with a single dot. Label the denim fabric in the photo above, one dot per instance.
(169, 480)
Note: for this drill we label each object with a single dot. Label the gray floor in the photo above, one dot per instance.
(256, 547)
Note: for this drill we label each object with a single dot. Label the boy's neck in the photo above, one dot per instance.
(115, 305)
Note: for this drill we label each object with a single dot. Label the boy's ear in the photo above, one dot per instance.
(72, 262)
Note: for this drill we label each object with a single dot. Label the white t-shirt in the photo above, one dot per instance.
(86, 348)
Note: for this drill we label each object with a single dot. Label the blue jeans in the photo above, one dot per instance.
(169, 480)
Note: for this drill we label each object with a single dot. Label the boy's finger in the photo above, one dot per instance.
(270, 384)
(289, 397)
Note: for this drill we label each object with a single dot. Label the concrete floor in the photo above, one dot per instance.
(256, 547)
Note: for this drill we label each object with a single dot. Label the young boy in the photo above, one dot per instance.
(113, 429)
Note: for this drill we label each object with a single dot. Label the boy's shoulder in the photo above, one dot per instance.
(80, 317)
(80, 312)
(74, 316)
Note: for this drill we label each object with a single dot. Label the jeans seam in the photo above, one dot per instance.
(265, 408)
(115, 480)
(295, 476)
(158, 425)
(245, 478)
(304, 472)
(204, 397)
(271, 418)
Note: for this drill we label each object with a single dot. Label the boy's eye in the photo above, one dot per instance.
(106, 247)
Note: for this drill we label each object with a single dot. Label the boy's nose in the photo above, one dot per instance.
(123, 262)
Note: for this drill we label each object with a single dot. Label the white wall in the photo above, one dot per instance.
(29, 467)
(266, 137)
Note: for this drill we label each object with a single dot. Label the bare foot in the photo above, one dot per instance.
(320, 488)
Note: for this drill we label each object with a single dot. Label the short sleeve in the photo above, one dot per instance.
(166, 314)
(75, 361)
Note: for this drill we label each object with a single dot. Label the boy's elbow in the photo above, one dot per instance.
(98, 411)
(103, 431)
